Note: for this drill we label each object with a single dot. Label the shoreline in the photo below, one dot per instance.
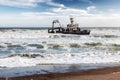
(108, 73)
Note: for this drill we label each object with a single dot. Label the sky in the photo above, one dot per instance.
(41, 13)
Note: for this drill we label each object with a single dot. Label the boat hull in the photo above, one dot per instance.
(63, 31)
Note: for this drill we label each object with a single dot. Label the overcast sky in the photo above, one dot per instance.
(40, 13)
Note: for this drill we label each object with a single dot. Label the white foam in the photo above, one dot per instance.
(66, 58)
(39, 36)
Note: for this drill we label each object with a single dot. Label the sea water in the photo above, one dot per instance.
(26, 47)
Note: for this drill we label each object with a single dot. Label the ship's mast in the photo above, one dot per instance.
(72, 21)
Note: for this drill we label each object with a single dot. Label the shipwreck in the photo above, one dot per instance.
(71, 28)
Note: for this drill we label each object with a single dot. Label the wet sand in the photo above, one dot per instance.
(111, 73)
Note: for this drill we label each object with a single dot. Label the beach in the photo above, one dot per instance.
(109, 73)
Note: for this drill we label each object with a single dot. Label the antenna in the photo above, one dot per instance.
(71, 19)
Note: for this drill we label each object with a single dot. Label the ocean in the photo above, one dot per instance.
(32, 47)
